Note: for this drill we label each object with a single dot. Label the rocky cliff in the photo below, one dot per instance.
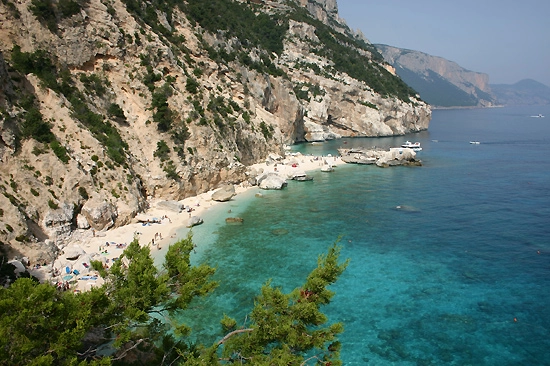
(439, 82)
(106, 103)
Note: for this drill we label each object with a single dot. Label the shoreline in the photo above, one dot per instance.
(72, 270)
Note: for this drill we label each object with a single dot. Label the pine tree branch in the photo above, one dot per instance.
(229, 335)
(139, 341)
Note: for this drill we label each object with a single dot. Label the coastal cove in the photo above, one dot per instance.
(450, 261)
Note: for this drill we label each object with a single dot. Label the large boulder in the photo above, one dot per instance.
(397, 156)
(171, 205)
(234, 220)
(82, 222)
(58, 222)
(72, 253)
(19, 267)
(271, 181)
(315, 132)
(101, 215)
(224, 194)
(194, 221)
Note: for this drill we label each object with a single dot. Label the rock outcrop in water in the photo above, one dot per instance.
(105, 107)
(380, 158)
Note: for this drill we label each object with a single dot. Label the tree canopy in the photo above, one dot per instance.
(131, 318)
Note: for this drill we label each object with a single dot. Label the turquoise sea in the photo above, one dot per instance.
(460, 275)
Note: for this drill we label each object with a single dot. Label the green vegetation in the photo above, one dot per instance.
(151, 77)
(52, 204)
(68, 8)
(241, 21)
(41, 65)
(83, 193)
(44, 11)
(170, 170)
(163, 115)
(303, 90)
(255, 30)
(368, 104)
(114, 193)
(60, 151)
(116, 112)
(192, 85)
(348, 56)
(135, 313)
(163, 151)
(49, 12)
(35, 127)
(267, 131)
(102, 130)
(246, 117)
(22, 238)
(12, 8)
(38, 63)
(94, 84)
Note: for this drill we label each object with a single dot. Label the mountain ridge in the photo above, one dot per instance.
(440, 82)
(524, 92)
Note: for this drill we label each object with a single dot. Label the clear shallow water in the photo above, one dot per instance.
(439, 282)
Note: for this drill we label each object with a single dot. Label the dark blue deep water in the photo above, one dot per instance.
(461, 276)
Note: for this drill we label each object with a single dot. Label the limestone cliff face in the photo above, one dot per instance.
(324, 10)
(440, 82)
(143, 107)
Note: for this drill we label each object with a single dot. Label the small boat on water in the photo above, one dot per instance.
(412, 145)
(538, 116)
(474, 142)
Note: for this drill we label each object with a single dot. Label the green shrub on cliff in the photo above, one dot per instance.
(35, 127)
(163, 151)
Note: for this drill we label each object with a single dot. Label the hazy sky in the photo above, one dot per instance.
(507, 39)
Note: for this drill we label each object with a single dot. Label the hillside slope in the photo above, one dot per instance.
(107, 103)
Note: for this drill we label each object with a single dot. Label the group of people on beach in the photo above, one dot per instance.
(158, 237)
(63, 286)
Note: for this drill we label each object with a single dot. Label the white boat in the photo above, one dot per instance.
(412, 145)
(474, 142)
(538, 116)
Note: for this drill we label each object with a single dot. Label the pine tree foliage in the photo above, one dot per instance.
(287, 327)
(134, 313)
